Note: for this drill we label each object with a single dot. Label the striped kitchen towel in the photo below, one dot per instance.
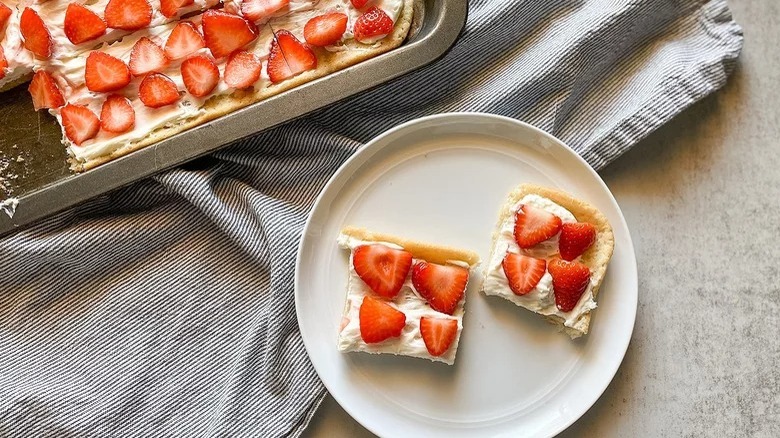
(166, 308)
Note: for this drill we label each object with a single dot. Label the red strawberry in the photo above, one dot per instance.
(170, 8)
(105, 73)
(325, 30)
(3, 63)
(570, 279)
(442, 285)
(128, 14)
(374, 23)
(37, 38)
(183, 41)
(158, 90)
(359, 3)
(45, 92)
(438, 334)
(288, 57)
(575, 239)
(5, 14)
(523, 272)
(200, 75)
(534, 225)
(117, 115)
(384, 269)
(225, 33)
(79, 122)
(81, 24)
(242, 70)
(379, 320)
(256, 10)
(147, 57)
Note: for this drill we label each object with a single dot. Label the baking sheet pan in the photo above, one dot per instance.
(33, 167)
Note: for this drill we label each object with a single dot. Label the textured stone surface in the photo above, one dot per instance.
(702, 200)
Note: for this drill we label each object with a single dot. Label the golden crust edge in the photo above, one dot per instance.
(597, 257)
(431, 252)
(218, 106)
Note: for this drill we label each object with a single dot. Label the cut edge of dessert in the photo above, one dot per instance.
(404, 297)
(549, 254)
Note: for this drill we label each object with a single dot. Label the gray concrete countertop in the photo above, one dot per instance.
(702, 200)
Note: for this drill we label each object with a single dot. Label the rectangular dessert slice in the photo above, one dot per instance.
(550, 253)
(403, 297)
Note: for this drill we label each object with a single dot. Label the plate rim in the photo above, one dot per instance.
(369, 148)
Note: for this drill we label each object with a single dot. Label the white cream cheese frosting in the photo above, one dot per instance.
(408, 300)
(542, 298)
(20, 60)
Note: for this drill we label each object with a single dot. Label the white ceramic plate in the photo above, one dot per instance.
(442, 179)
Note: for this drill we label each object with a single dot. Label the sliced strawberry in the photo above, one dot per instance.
(5, 14)
(147, 57)
(105, 73)
(170, 8)
(79, 122)
(3, 63)
(575, 239)
(200, 75)
(183, 41)
(37, 38)
(379, 320)
(373, 24)
(359, 3)
(242, 70)
(570, 279)
(225, 33)
(288, 57)
(45, 92)
(257, 10)
(128, 14)
(438, 334)
(117, 115)
(384, 269)
(158, 90)
(523, 272)
(534, 225)
(325, 30)
(442, 286)
(82, 25)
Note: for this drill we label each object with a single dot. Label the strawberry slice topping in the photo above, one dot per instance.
(3, 63)
(183, 41)
(373, 24)
(5, 14)
(379, 320)
(257, 10)
(200, 75)
(438, 334)
(44, 91)
(325, 30)
(170, 8)
(105, 73)
(523, 272)
(37, 38)
(359, 3)
(288, 57)
(570, 279)
(158, 90)
(147, 57)
(82, 25)
(117, 114)
(384, 269)
(242, 70)
(534, 225)
(443, 286)
(128, 14)
(79, 122)
(575, 239)
(225, 33)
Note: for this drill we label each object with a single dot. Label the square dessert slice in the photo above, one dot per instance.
(403, 297)
(550, 253)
